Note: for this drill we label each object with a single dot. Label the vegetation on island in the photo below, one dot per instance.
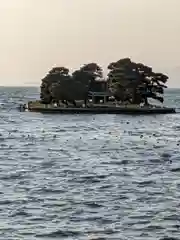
(127, 82)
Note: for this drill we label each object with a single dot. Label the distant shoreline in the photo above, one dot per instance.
(37, 86)
(21, 86)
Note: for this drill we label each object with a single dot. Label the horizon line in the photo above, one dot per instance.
(38, 86)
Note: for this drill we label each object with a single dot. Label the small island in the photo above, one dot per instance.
(126, 89)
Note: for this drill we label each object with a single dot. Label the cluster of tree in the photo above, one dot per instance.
(135, 82)
(59, 86)
(127, 81)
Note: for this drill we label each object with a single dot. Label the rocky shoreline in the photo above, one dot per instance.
(99, 109)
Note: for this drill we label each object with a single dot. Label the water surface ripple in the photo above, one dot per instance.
(87, 176)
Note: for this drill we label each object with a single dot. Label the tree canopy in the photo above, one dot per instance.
(128, 81)
(59, 85)
(54, 76)
(135, 82)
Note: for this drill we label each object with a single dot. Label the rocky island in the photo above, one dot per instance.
(126, 89)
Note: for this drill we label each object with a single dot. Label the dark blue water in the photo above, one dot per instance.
(88, 176)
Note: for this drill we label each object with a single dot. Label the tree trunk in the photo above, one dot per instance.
(136, 99)
(146, 101)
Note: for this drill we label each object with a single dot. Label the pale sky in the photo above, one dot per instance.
(36, 35)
